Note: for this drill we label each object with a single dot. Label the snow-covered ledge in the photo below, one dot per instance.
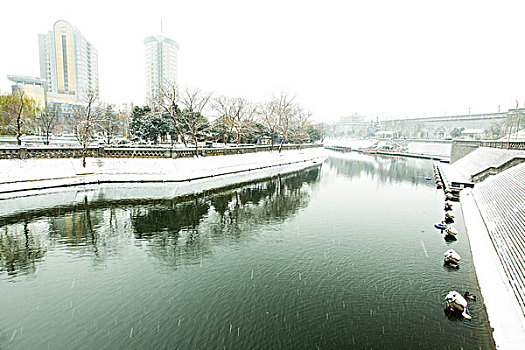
(26, 184)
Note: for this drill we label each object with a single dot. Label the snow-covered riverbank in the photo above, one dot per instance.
(26, 184)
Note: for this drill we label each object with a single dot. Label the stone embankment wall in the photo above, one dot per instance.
(461, 148)
(20, 152)
(500, 202)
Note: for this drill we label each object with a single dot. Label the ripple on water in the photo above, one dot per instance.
(333, 259)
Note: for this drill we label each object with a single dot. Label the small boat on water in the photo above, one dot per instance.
(441, 226)
(451, 233)
(455, 191)
(452, 258)
(469, 296)
(452, 194)
(456, 304)
(448, 219)
(367, 150)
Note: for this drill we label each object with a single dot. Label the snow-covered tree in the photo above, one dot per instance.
(194, 102)
(88, 117)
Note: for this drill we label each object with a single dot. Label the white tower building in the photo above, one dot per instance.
(161, 63)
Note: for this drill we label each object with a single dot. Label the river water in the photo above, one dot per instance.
(340, 256)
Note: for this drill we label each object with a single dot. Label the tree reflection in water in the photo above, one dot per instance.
(84, 231)
(20, 250)
(177, 231)
(184, 233)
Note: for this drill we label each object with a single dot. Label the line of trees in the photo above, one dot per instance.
(174, 115)
(182, 115)
(89, 121)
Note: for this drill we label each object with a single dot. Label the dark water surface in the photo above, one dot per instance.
(339, 257)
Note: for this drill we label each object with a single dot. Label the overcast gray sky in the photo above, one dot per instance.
(377, 57)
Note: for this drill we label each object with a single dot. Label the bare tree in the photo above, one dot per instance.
(300, 125)
(47, 121)
(88, 118)
(224, 107)
(284, 109)
(194, 102)
(244, 118)
(237, 116)
(168, 102)
(269, 119)
(110, 123)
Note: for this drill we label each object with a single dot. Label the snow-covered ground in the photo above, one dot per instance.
(430, 148)
(42, 183)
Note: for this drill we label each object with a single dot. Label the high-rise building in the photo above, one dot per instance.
(68, 64)
(161, 63)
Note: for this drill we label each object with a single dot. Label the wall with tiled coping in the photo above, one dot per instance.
(21, 152)
(461, 148)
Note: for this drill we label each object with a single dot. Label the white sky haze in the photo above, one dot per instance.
(391, 59)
